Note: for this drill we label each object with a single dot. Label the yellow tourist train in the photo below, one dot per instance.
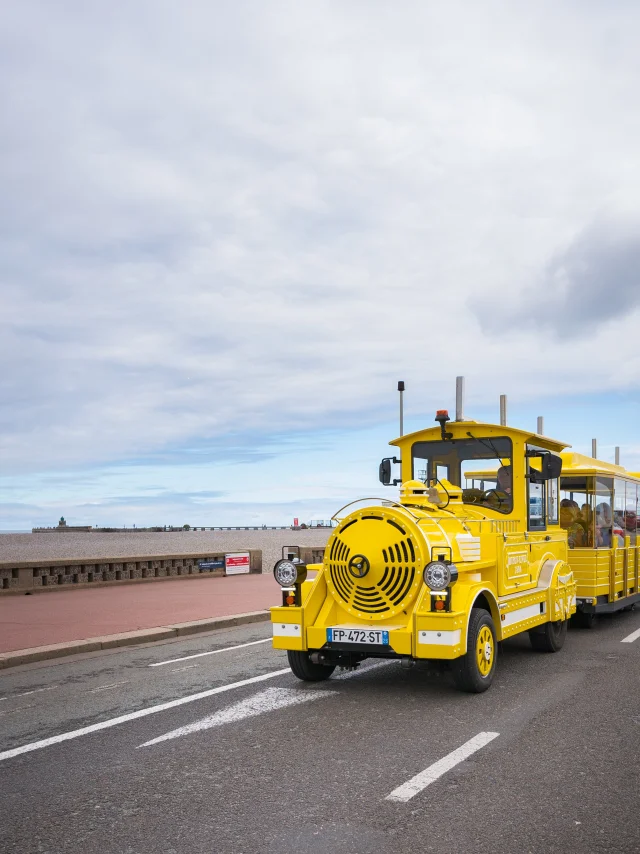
(448, 571)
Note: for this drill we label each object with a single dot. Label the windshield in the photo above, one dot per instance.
(481, 467)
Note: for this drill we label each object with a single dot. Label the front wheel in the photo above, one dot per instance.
(305, 669)
(474, 671)
(550, 637)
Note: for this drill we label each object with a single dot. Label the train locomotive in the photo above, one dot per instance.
(446, 572)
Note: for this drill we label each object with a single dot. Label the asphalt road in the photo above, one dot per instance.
(264, 764)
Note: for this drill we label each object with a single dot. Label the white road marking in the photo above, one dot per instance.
(265, 701)
(433, 772)
(141, 713)
(211, 652)
(34, 691)
(630, 638)
(108, 687)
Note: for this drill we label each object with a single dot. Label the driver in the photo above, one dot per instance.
(504, 479)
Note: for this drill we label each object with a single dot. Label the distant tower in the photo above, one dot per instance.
(62, 523)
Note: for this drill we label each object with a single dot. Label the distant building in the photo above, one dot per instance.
(62, 526)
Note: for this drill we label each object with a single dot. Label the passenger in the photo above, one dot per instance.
(570, 522)
(603, 525)
(586, 519)
(618, 526)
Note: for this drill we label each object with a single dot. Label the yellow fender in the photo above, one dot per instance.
(558, 578)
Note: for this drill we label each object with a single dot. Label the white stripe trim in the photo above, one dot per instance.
(448, 638)
(287, 630)
(433, 772)
(632, 637)
(520, 614)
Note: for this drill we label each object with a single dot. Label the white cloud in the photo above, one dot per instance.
(257, 218)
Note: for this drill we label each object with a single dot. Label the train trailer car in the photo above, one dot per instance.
(599, 511)
(446, 572)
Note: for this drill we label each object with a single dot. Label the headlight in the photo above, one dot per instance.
(438, 576)
(287, 573)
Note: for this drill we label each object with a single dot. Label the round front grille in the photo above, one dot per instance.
(393, 564)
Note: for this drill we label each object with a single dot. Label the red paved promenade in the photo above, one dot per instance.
(73, 615)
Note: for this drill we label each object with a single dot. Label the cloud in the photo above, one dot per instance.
(225, 224)
(593, 281)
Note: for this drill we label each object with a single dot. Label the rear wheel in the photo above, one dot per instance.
(584, 621)
(474, 671)
(550, 637)
(302, 667)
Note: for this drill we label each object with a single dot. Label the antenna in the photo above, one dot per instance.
(459, 398)
(401, 390)
(503, 410)
(540, 430)
(617, 455)
(594, 448)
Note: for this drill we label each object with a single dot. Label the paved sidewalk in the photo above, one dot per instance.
(61, 622)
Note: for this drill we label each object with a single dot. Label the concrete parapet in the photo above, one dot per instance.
(22, 577)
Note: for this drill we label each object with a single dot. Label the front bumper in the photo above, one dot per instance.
(428, 636)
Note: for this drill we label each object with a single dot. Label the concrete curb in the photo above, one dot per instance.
(177, 630)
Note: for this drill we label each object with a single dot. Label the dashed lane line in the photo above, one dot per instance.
(33, 691)
(210, 652)
(141, 713)
(632, 637)
(416, 784)
(108, 687)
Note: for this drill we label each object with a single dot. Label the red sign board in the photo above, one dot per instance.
(295, 522)
(237, 563)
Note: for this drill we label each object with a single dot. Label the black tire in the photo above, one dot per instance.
(305, 669)
(584, 621)
(466, 670)
(550, 637)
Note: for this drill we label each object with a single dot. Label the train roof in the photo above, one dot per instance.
(574, 463)
(460, 428)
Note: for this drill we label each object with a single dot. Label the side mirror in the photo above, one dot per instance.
(550, 468)
(385, 471)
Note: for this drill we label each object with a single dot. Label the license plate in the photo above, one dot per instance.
(374, 637)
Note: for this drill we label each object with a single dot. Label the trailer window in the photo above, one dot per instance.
(631, 511)
(586, 511)
(619, 510)
(576, 510)
(480, 466)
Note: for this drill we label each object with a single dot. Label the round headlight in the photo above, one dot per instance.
(438, 576)
(287, 573)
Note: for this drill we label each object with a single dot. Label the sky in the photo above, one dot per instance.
(228, 230)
